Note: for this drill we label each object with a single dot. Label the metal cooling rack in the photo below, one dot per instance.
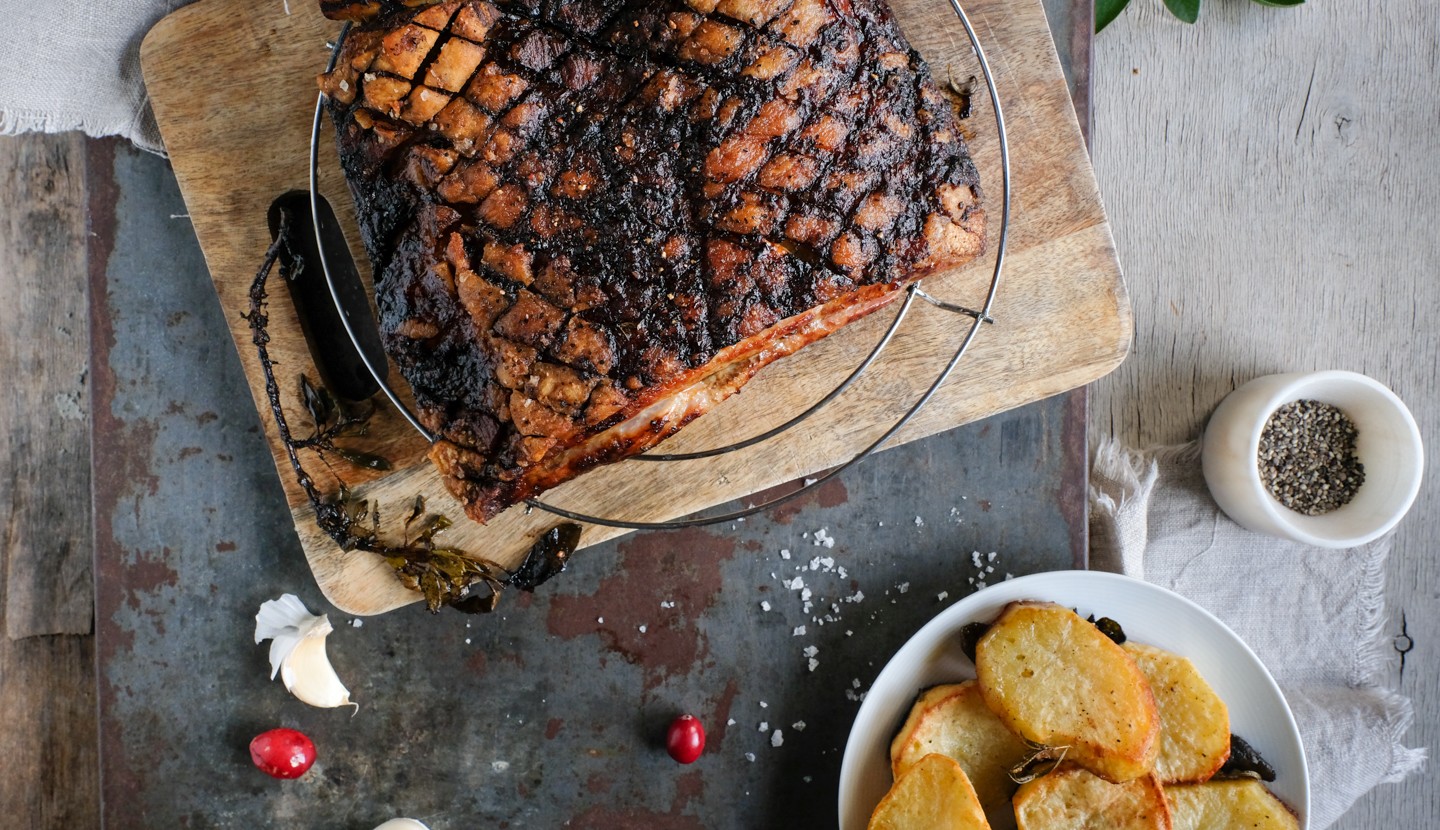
(912, 293)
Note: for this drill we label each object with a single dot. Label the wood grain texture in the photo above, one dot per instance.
(1063, 318)
(1272, 178)
(47, 683)
(45, 459)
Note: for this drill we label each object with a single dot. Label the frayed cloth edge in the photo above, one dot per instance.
(16, 122)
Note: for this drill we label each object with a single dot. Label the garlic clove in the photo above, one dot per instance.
(297, 652)
(402, 824)
(307, 672)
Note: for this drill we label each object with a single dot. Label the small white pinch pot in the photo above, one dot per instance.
(1388, 444)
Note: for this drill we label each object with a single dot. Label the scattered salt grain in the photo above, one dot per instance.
(643, 629)
(919, 522)
(810, 481)
(805, 594)
(799, 631)
(600, 620)
(990, 556)
(903, 587)
(810, 651)
(764, 726)
(942, 596)
(467, 641)
(822, 537)
(777, 738)
(730, 722)
(784, 554)
(500, 766)
(798, 726)
(849, 633)
(814, 664)
(764, 605)
(356, 623)
(750, 756)
(667, 604)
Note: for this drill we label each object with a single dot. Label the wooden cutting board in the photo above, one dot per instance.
(232, 83)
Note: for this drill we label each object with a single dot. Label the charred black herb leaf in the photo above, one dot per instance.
(970, 637)
(548, 557)
(1110, 629)
(1245, 762)
(332, 419)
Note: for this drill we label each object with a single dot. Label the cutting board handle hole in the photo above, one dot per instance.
(338, 363)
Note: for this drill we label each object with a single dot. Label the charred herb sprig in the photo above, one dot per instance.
(443, 575)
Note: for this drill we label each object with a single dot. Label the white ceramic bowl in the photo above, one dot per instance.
(1148, 613)
(1388, 445)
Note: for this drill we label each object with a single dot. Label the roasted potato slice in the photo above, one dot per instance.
(933, 795)
(954, 721)
(1194, 722)
(1071, 798)
(1223, 804)
(1054, 679)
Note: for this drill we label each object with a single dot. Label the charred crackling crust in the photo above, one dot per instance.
(591, 221)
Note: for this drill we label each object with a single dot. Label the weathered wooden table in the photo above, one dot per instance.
(1271, 177)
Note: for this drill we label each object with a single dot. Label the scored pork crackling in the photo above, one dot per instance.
(591, 222)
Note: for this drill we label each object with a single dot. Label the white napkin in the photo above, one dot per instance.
(87, 77)
(1314, 616)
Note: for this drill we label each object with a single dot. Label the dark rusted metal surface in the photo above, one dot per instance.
(552, 711)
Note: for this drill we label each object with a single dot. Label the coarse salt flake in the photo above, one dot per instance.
(942, 596)
(811, 651)
(814, 664)
(777, 738)
(764, 605)
(798, 726)
(799, 631)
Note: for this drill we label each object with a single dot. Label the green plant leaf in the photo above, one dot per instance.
(1106, 11)
(1186, 10)
(1281, 3)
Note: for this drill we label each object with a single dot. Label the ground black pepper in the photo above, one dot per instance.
(1307, 457)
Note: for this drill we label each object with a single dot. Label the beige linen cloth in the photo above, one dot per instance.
(1314, 616)
(88, 78)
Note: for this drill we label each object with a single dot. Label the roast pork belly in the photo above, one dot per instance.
(592, 221)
